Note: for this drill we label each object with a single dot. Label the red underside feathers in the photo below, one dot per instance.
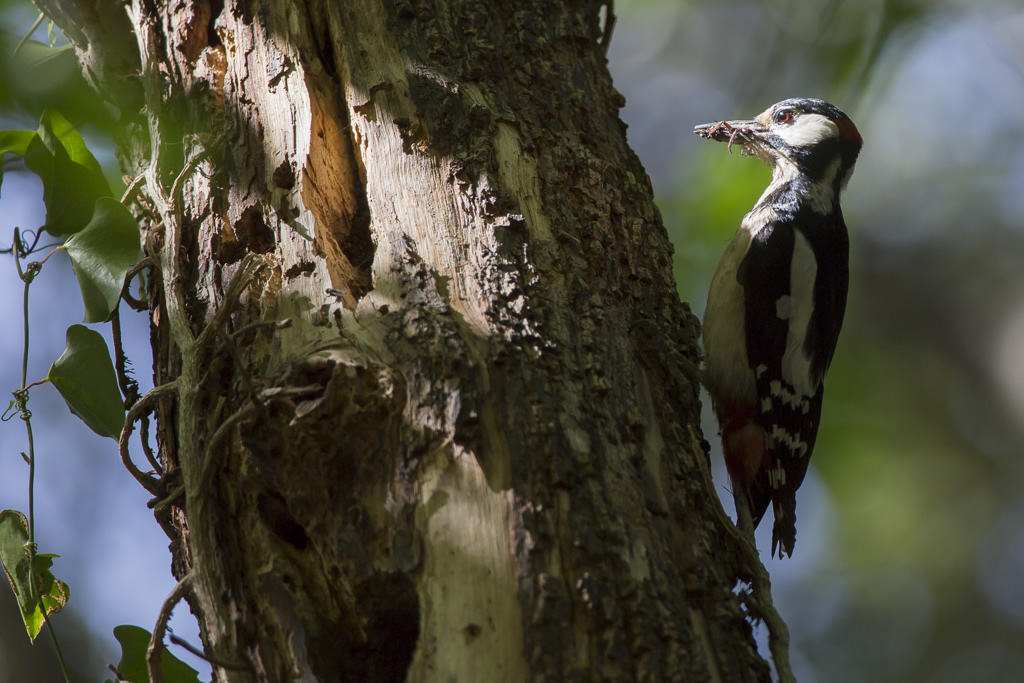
(743, 444)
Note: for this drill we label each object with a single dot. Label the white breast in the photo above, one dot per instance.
(727, 370)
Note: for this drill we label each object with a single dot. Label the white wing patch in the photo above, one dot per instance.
(796, 364)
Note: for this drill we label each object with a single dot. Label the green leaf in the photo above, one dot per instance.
(132, 667)
(55, 593)
(16, 142)
(58, 134)
(84, 376)
(15, 551)
(72, 178)
(38, 68)
(102, 255)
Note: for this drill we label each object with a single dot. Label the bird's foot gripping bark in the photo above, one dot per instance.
(758, 601)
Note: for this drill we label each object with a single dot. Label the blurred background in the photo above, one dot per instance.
(910, 549)
(910, 554)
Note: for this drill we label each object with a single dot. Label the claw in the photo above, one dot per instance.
(711, 133)
(727, 127)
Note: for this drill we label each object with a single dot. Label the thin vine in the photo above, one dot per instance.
(27, 275)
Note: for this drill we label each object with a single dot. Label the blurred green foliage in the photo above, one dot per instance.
(911, 524)
(41, 76)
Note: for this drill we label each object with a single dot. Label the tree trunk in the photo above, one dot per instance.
(430, 407)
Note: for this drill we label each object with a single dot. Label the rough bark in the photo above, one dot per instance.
(478, 457)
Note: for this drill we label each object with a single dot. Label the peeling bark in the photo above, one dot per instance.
(477, 457)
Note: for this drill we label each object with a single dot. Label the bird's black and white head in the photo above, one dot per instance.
(797, 137)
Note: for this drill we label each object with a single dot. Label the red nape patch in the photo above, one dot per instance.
(849, 131)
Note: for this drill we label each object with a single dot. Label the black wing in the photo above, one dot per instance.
(793, 315)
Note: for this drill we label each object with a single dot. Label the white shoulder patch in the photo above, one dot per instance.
(796, 364)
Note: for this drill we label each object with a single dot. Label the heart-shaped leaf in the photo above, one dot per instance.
(132, 667)
(15, 554)
(72, 178)
(102, 254)
(84, 376)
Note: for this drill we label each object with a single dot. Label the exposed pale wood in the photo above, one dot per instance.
(475, 459)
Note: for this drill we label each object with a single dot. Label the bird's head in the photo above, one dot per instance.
(802, 135)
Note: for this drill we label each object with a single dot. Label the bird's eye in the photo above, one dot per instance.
(784, 116)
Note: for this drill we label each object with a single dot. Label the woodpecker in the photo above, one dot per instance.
(776, 304)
